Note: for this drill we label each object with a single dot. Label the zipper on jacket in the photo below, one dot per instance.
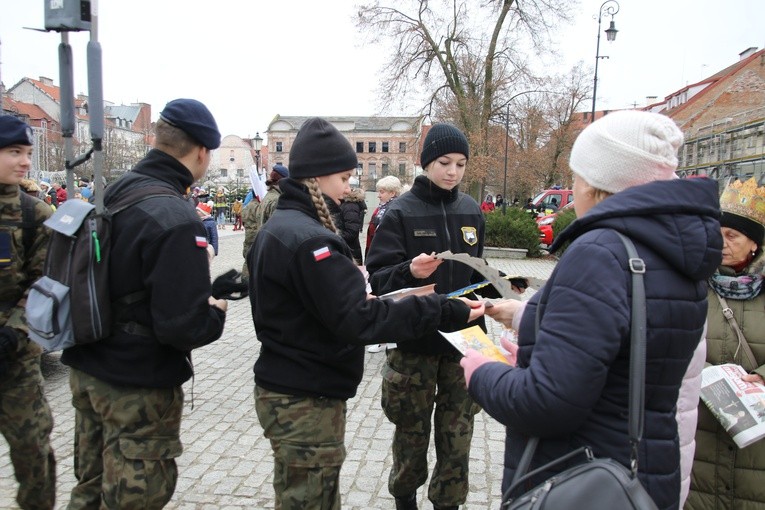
(95, 253)
(448, 244)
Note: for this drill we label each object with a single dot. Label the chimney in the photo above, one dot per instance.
(747, 53)
(46, 81)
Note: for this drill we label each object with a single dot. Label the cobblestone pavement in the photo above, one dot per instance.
(226, 463)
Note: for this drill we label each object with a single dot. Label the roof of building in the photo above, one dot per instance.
(358, 123)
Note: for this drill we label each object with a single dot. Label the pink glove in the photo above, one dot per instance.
(472, 360)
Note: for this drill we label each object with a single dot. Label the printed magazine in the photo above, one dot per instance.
(738, 405)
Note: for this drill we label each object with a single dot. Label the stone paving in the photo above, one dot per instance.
(226, 463)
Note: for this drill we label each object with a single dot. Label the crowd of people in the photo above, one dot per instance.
(315, 302)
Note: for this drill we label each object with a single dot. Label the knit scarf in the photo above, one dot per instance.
(744, 286)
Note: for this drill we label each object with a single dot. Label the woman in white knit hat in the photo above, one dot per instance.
(570, 384)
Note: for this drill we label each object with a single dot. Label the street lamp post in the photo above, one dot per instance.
(507, 136)
(258, 143)
(609, 7)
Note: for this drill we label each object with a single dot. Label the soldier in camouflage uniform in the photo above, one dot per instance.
(423, 378)
(256, 213)
(127, 388)
(25, 417)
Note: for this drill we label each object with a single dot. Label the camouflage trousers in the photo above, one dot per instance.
(126, 440)
(26, 422)
(413, 384)
(308, 439)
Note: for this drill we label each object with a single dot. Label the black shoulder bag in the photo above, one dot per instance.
(596, 483)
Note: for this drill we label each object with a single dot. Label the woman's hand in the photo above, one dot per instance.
(472, 360)
(504, 311)
(512, 351)
(424, 265)
(753, 378)
(477, 308)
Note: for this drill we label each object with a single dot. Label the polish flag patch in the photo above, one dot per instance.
(201, 241)
(321, 253)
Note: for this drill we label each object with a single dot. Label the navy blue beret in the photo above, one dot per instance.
(281, 170)
(14, 132)
(192, 117)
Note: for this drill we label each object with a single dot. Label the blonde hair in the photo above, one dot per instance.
(389, 183)
(599, 195)
(318, 202)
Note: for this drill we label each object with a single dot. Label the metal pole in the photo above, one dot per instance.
(597, 58)
(611, 10)
(507, 136)
(66, 115)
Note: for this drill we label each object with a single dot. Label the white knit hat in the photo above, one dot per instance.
(627, 148)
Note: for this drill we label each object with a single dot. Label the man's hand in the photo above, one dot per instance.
(423, 265)
(229, 285)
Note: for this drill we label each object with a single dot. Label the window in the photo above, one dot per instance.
(372, 146)
(402, 146)
(385, 146)
(402, 169)
(373, 170)
(359, 147)
(240, 172)
(279, 147)
(385, 169)
(223, 172)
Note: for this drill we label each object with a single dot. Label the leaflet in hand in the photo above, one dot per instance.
(410, 291)
(474, 338)
(738, 405)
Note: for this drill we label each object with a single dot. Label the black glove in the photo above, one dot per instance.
(229, 285)
(521, 283)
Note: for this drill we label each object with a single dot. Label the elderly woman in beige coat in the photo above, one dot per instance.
(725, 476)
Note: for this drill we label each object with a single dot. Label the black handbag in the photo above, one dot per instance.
(596, 483)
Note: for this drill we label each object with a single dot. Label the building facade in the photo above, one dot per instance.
(384, 145)
(723, 120)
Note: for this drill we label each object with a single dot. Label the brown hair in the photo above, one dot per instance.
(173, 140)
(318, 202)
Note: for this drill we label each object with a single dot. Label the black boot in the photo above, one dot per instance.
(407, 502)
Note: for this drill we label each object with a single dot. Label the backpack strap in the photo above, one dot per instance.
(133, 196)
(27, 222)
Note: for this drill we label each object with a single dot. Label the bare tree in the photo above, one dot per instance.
(468, 58)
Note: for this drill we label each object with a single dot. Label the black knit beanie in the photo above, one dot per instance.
(443, 139)
(750, 228)
(320, 149)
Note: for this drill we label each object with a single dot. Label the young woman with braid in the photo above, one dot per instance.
(313, 315)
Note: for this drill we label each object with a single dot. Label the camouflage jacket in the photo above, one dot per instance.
(255, 214)
(18, 273)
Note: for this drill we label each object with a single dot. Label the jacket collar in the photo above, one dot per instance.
(424, 189)
(161, 165)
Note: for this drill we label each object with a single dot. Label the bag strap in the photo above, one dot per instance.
(742, 343)
(27, 222)
(133, 196)
(637, 371)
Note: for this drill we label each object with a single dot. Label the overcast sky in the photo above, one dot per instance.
(250, 60)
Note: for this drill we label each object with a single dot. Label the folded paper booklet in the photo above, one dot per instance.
(474, 338)
(410, 291)
(738, 405)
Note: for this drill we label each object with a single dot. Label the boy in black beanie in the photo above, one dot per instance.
(434, 216)
(313, 316)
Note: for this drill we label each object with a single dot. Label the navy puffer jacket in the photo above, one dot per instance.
(571, 384)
